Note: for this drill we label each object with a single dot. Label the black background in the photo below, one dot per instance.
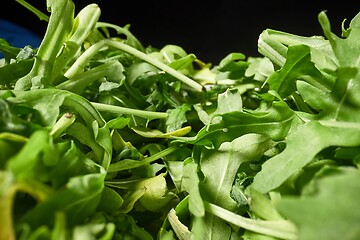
(209, 29)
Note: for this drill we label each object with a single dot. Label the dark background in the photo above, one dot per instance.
(209, 29)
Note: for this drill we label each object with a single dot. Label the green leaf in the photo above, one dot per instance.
(94, 230)
(229, 101)
(73, 163)
(126, 48)
(220, 167)
(118, 123)
(190, 183)
(86, 136)
(313, 96)
(127, 227)
(152, 193)
(231, 68)
(298, 63)
(346, 50)
(48, 102)
(30, 161)
(110, 201)
(139, 69)
(274, 44)
(274, 122)
(79, 200)
(259, 68)
(11, 122)
(177, 117)
(156, 193)
(262, 206)
(13, 71)
(9, 51)
(317, 137)
(331, 212)
(112, 70)
(126, 164)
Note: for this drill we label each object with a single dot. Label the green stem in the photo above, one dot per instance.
(127, 164)
(7, 197)
(340, 124)
(83, 25)
(122, 110)
(78, 83)
(126, 48)
(59, 27)
(130, 38)
(82, 61)
(181, 231)
(62, 124)
(280, 228)
(31, 8)
(272, 49)
(6, 206)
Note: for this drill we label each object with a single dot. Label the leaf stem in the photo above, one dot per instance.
(31, 8)
(181, 231)
(127, 164)
(271, 48)
(280, 228)
(62, 124)
(80, 63)
(135, 112)
(59, 27)
(124, 47)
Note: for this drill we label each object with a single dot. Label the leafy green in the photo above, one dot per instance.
(334, 125)
(219, 168)
(337, 193)
(104, 138)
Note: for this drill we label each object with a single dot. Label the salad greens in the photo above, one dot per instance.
(104, 138)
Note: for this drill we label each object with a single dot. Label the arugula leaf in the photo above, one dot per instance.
(37, 158)
(13, 123)
(104, 138)
(290, 161)
(338, 118)
(13, 71)
(329, 212)
(223, 163)
(78, 201)
(176, 118)
(297, 64)
(190, 183)
(274, 121)
(219, 168)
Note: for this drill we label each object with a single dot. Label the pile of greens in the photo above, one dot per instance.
(104, 138)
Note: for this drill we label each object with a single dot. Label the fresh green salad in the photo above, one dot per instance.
(104, 138)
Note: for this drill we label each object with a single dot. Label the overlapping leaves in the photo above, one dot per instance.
(334, 123)
(107, 139)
